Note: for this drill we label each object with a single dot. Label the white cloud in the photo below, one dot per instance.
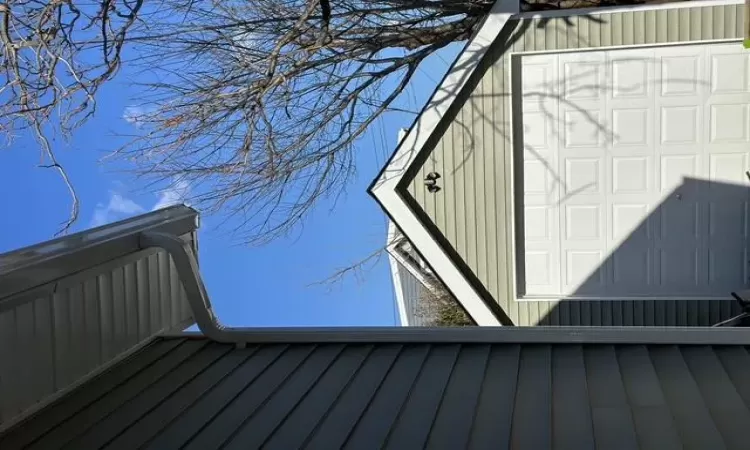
(118, 208)
(136, 115)
(175, 194)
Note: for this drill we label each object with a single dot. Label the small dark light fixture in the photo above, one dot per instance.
(431, 182)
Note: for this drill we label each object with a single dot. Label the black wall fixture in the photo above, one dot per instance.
(431, 182)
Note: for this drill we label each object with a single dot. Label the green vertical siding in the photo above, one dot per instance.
(474, 157)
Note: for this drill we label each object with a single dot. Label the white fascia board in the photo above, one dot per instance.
(385, 187)
(396, 277)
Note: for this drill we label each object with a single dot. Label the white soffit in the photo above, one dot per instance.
(384, 188)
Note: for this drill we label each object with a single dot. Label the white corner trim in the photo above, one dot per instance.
(384, 188)
(400, 301)
(596, 11)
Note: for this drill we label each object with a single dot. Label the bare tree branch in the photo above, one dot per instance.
(261, 104)
(356, 269)
(257, 104)
(50, 74)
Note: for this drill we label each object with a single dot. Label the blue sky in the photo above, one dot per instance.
(271, 285)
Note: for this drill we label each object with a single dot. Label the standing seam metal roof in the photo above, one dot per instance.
(194, 393)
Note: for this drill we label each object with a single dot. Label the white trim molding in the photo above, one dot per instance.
(400, 301)
(385, 187)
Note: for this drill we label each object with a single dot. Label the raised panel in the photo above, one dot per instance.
(537, 222)
(730, 123)
(680, 75)
(679, 219)
(728, 168)
(538, 268)
(679, 125)
(631, 266)
(675, 169)
(729, 73)
(535, 178)
(727, 220)
(536, 80)
(630, 222)
(679, 267)
(536, 132)
(630, 174)
(582, 222)
(727, 267)
(630, 78)
(582, 128)
(583, 80)
(582, 175)
(584, 266)
(630, 127)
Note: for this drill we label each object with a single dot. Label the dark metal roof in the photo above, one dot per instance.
(199, 394)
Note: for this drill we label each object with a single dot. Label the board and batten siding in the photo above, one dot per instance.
(474, 156)
(53, 336)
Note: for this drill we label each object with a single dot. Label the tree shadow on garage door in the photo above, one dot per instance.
(674, 263)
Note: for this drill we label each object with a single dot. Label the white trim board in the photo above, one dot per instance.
(384, 188)
(400, 301)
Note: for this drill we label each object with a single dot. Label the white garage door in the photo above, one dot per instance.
(634, 172)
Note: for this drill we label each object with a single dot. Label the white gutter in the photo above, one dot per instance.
(211, 328)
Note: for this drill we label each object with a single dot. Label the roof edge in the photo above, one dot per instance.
(485, 335)
(212, 329)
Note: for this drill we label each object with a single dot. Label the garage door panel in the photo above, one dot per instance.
(583, 76)
(631, 175)
(680, 71)
(630, 224)
(644, 178)
(680, 221)
(539, 84)
(727, 221)
(730, 169)
(631, 126)
(727, 266)
(538, 131)
(729, 70)
(631, 270)
(583, 271)
(680, 125)
(583, 128)
(729, 123)
(632, 76)
(680, 270)
(583, 176)
(542, 275)
(674, 169)
(583, 222)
